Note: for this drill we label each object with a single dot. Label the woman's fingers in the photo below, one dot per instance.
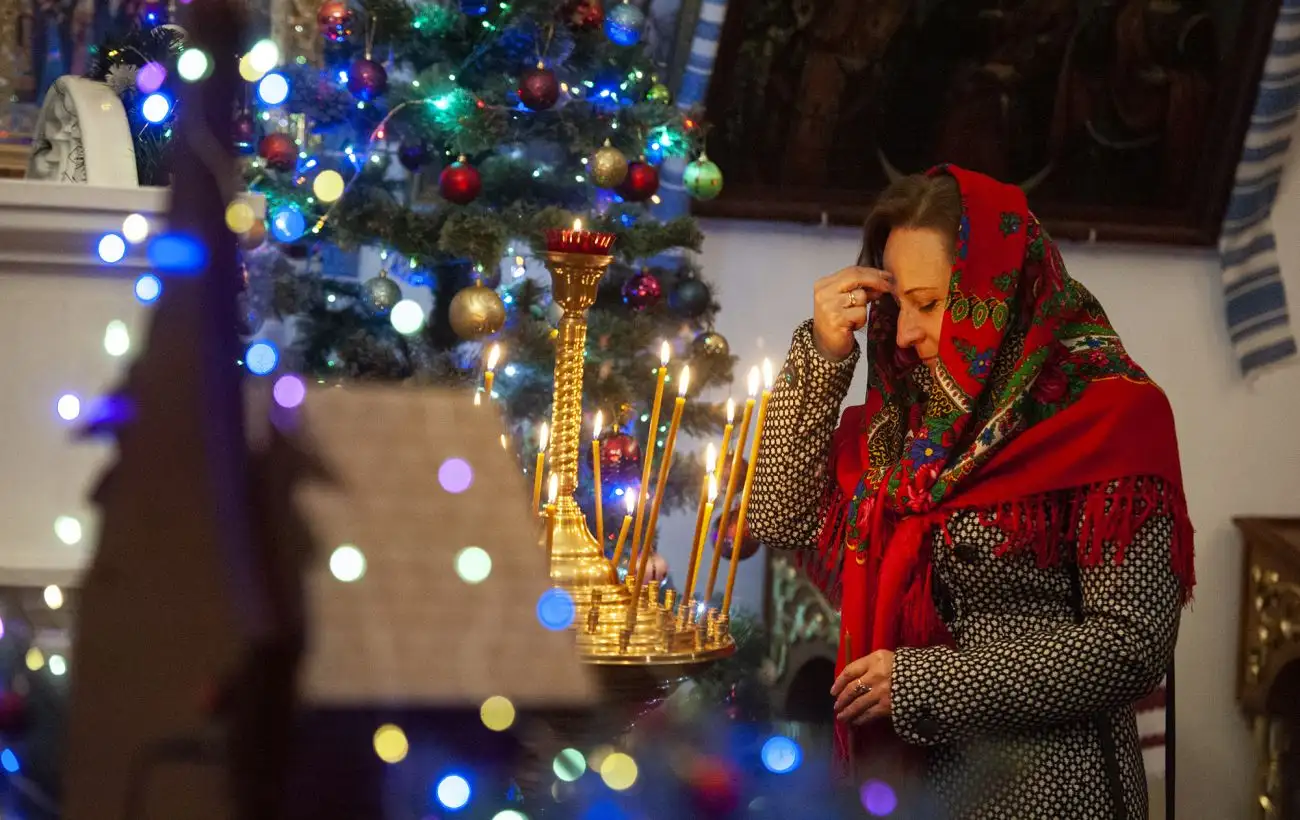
(852, 671)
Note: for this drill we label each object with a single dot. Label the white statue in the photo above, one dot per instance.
(75, 107)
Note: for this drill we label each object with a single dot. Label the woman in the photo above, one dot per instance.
(1002, 523)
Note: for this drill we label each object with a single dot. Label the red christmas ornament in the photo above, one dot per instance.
(747, 548)
(642, 291)
(367, 79)
(538, 88)
(460, 182)
(641, 183)
(585, 14)
(620, 459)
(279, 151)
(13, 712)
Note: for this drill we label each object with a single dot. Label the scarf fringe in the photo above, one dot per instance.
(824, 565)
(1101, 520)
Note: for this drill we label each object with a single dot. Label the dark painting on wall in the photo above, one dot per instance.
(1123, 119)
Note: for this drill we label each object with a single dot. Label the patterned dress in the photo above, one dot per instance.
(1030, 715)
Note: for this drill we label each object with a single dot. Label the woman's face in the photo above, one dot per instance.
(921, 264)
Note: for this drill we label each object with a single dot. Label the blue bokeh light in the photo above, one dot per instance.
(288, 224)
(177, 253)
(156, 107)
(273, 89)
(112, 248)
(555, 609)
(781, 755)
(453, 792)
(261, 358)
(148, 288)
(9, 761)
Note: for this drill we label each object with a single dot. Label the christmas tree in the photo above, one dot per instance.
(444, 140)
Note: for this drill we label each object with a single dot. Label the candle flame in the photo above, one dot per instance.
(767, 374)
(753, 381)
(598, 424)
(494, 356)
(544, 436)
(731, 411)
(478, 398)
(665, 353)
(552, 488)
(577, 224)
(629, 498)
(713, 489)
(504, 445)
(684, 380)
(710, 458)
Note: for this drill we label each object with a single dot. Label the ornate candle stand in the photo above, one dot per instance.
(642, 655)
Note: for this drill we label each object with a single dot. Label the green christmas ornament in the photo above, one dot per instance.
(703, 178)
(659, 93)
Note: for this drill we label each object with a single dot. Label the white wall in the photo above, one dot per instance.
(1240, 442)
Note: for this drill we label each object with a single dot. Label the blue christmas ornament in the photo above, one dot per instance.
(623, 24)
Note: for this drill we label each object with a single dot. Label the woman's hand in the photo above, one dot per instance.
(840, 307)
(862, 689)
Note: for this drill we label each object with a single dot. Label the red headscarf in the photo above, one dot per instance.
(1035, 410)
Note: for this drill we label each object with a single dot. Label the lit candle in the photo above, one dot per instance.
(647, 544)
(595, 473)
(542, 438)
(726, 436)
(630, 500)
(664, 352)
(478, 398)
(749, 483)
(505, 443)
(732, 482)
(552, 492)
(577, 226)
(489, 376)
(708, 494)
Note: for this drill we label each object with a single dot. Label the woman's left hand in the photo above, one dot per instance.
(862, 689)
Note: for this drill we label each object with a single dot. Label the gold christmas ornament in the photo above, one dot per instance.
(476, 311)
(608, 166)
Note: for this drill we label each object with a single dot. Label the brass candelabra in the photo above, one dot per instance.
(643, 645)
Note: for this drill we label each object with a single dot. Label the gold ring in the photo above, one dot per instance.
(853, 298)
(861, 689)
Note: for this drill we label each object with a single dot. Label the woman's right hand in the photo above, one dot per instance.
(840, 307)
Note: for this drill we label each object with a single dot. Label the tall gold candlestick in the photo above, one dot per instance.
(553, 490)
(543, 438)
(595, 474)
(709, 495)
(733, 481)
(490, 374)
(630, 500)
(665, 463)
(749, 484)
(664, 352)
(578, 563)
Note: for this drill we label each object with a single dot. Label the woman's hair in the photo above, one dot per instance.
(915, 201)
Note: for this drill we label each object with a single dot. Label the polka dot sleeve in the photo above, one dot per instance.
(790, 476)
(1116, 654)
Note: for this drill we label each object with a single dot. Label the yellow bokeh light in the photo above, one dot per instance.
(618, 770)
(473, 565)
(497, 713)
(391, 744)
(35, 659)
(240, 217)
(248, 70)
(569, 765)
(328, 185)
